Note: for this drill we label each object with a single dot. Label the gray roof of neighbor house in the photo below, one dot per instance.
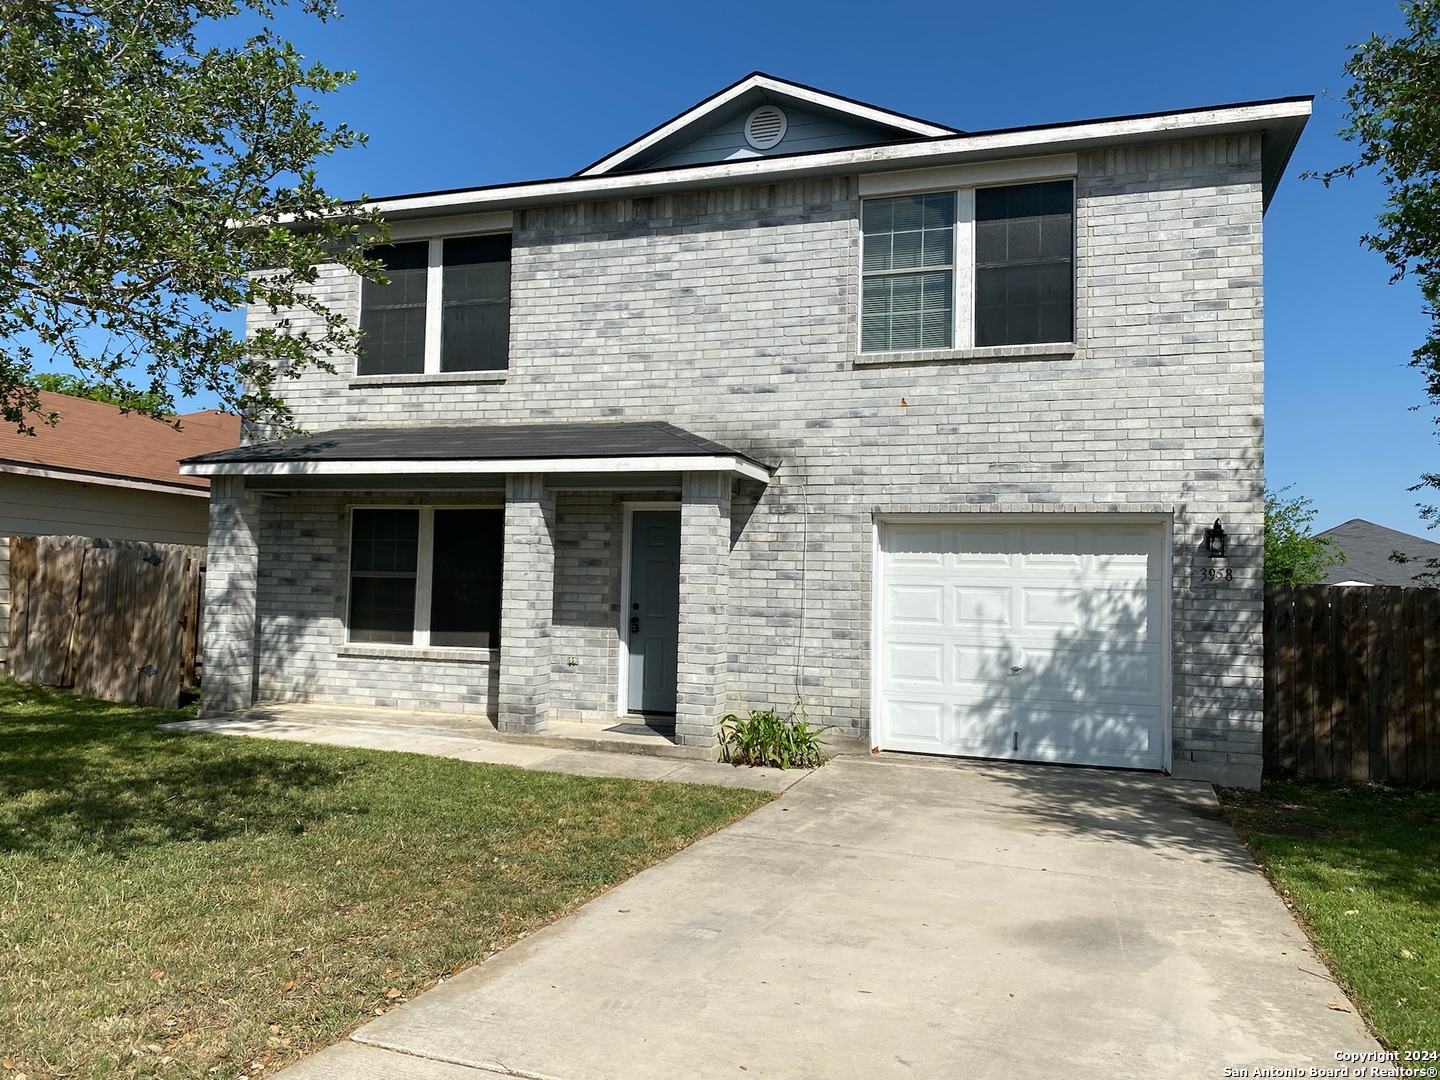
(1367, 549)
(482, 448)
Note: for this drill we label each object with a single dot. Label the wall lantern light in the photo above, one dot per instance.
(1215, 541)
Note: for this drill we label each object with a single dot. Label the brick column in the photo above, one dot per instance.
(527, 604)
(231, 569)
(704, 586)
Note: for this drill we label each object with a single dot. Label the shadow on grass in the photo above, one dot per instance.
(80, 772)
(1382, 838)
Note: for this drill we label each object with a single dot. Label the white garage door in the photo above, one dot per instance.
(1040, 642)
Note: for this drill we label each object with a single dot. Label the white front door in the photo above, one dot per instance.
(1038, 641)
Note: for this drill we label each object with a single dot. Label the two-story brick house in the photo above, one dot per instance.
(793, 397)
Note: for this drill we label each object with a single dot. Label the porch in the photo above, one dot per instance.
(299, 607)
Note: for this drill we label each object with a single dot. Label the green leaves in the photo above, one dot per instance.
(1393, 117)
(152, 188)
(767, 738)
(1292, 555)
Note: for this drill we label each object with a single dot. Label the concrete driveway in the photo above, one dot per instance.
(902, 918)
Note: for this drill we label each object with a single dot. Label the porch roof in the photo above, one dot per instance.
(479, 449)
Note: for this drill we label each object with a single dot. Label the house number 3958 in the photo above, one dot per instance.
(1215, 573)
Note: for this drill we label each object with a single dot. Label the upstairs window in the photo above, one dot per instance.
(969, 268)
(909, 273)
(447, 308)
(393, 316)
(1024, 256)
(475, 310)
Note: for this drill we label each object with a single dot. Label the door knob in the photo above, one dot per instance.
(634, 625)
(1014, 671)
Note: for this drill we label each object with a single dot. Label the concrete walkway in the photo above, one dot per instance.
(902, 918)
(581, 749)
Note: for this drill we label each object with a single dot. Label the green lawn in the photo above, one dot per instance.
(1360, 863)
(207, 906)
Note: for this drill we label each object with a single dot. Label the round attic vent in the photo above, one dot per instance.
(765, 127)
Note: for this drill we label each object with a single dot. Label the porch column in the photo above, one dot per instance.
(704, 586)
(527, 604)
(231, 570)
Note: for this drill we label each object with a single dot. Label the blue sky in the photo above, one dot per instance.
(456, 93)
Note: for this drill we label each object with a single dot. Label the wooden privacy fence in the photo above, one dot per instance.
(1352, 682)
(112, 619)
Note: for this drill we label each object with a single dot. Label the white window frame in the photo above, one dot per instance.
(434, 303)
(424, 570)
(964, 181)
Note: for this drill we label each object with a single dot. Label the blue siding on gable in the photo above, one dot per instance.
(807, 131)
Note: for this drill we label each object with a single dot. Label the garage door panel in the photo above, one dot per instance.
(1116, 673)
(909, 664)
(1120, 611)
(916, 545)
(1108, 738)
(1077, 608)
(981, 607)
(916, 605)
(981, 546)
(984, 731)
(1051, 548)
(916, 725)
(980, 663)
(1053, 608)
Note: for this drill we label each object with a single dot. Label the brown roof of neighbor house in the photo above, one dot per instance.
(97, 442)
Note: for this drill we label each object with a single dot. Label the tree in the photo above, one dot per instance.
(1292, 555)
(56, 382)
(152, 185)
(1393, 115)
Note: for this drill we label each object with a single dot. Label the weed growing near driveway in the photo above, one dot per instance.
(174, 904)
(1360, 863)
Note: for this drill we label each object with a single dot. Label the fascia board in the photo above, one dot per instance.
(481, 467)
(76, 476)
(1030, 142)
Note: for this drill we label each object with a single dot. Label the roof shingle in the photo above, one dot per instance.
(97, 440)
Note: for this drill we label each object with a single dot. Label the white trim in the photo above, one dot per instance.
(434, 306)
(956, 149)
(978, 174)
(1163, 521)
(108, 481)
(627, 529)
(496, 221)
(424, 576)
(483, 466)
(778, 87)
(963, 324)
(1167, 635)
(877, 652)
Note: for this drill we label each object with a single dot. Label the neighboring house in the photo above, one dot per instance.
(792, 397)
(103, 473)
(1368, 548)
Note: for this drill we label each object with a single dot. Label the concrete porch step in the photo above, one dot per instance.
(616, 737)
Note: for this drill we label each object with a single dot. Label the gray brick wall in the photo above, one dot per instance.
(732, 313)
(303, 584)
